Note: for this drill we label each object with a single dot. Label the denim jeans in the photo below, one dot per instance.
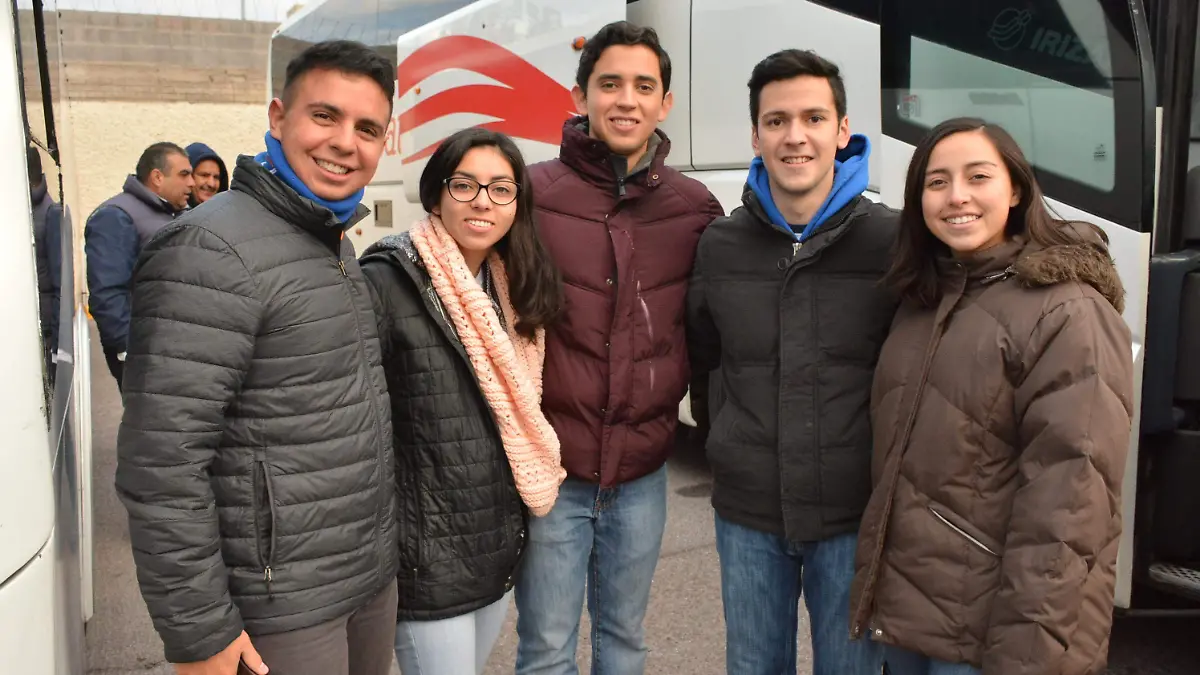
(903, 662)
(605, 541)
(762, 577)
(459, 645)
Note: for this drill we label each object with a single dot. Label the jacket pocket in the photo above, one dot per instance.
(963, 529)
(264, 491)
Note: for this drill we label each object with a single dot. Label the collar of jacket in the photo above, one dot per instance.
(134, 187)
(828, 231)
(989, 266)
(590, 157)
(283, 201)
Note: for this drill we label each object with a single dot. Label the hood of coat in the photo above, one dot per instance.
(1086, 262)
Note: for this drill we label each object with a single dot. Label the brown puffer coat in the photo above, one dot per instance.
(1001, 423)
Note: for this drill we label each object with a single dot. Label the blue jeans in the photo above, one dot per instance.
(459, 645)
(903, 662)
(607, 542)
(762, 576)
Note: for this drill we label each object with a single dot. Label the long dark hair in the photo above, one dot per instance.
(535, 285)
(914, 273)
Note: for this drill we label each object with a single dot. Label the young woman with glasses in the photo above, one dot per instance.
(462, 301)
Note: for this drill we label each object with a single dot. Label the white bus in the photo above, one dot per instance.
(1097, 92)
(45, 509)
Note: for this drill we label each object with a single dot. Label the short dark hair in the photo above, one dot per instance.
(343, 56)
(790, 63)
(621, 33)
(155, 157)
(534, 280)
(33, 160)
(914, 273)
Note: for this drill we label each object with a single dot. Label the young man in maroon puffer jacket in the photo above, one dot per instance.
(623, 227)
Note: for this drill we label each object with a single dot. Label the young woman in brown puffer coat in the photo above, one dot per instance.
(1001, 412)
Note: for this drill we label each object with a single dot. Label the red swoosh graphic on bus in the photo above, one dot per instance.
(533, 106)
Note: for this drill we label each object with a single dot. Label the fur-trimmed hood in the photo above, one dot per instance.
(1085, 262)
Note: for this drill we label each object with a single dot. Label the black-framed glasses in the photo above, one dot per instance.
(501, 192)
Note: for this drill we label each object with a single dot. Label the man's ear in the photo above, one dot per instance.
(754, 140)
(275, 114)
(668, 102)
(580, 97)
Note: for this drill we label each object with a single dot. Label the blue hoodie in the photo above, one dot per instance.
(850, 179)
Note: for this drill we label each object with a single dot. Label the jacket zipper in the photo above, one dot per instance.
(268, 574)
(963, 533)
(893, 476)
(380, 442)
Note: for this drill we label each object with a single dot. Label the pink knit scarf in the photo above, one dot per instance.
(507, 366)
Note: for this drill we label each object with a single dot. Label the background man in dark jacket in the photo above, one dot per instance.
(785, 300)
(116, 232)
(47, 219)
(616, 365)
(208, 170)
(255, 452)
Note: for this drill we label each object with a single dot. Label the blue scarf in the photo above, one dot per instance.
(273, 160)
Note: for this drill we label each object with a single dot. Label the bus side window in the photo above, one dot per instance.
(1062, 76)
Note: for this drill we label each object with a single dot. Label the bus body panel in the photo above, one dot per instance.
(26, 492)
(506, 65)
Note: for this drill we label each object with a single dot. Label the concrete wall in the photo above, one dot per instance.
(125, 81)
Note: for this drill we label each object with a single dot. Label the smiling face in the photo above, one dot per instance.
(624, 101)
(332, 130)
(798, 135)
(968, 193)
(479, 222)
(208, 180)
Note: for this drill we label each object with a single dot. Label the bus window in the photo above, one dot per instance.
(376, 23)
(1062, 76)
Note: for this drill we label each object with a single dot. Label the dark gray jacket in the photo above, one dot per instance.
(254, 455)
(796, 332)
(462, 523)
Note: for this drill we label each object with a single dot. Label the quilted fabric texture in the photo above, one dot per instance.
(462, 522)
(255, 449)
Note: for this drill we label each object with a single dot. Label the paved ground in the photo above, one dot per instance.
(685, 629)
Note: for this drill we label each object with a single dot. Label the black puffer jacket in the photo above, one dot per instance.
(255, 449)
(796, 332)
(462, 523)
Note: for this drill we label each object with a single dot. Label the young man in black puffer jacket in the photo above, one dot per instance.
(254, 456)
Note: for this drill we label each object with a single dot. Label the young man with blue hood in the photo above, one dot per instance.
(255, 452)
(208, 169)
(786, 308)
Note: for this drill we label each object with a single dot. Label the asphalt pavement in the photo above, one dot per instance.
(684, 627)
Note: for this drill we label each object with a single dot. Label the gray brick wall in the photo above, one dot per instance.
(135, 57)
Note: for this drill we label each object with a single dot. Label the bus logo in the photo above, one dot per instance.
(531, 105)
(1008, 29)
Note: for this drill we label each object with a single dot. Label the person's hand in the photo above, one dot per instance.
(226, 661)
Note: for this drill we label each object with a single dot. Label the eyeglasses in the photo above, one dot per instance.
(501, 192)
